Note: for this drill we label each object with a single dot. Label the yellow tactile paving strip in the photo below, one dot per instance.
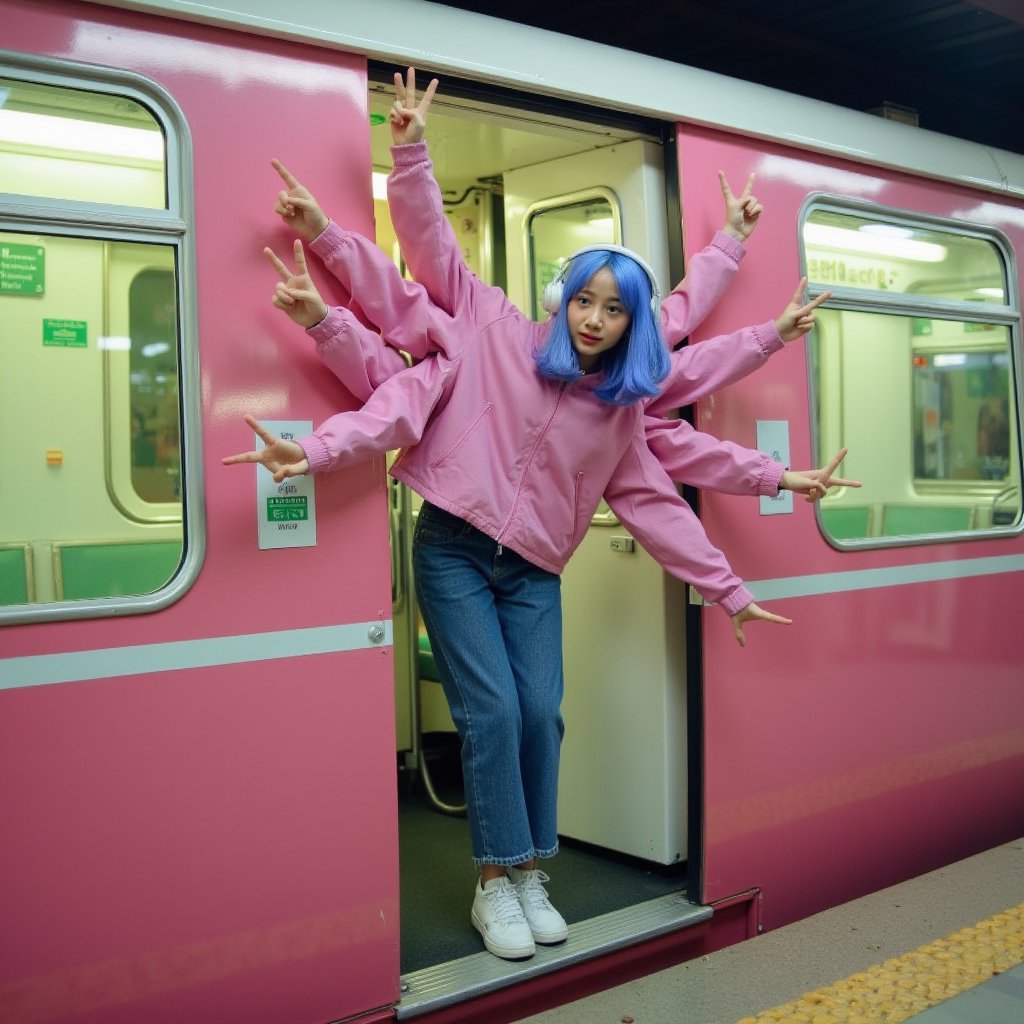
(904, 986)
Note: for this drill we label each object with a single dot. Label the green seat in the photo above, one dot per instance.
(114, 570)
(907, 520)
(14, 576)
(427, 664)
(847, 522)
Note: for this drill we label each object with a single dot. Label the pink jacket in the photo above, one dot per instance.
(505, 451)
(522, 458)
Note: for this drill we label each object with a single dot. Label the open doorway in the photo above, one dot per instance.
(522, 188)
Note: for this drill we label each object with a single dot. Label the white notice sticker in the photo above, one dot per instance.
(773, 440)
(285, 512)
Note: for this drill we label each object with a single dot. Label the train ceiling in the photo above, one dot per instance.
(959, 64)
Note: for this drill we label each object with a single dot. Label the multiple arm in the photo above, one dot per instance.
(394, 416)
(430, 317)
(644, 498)
(694, 457)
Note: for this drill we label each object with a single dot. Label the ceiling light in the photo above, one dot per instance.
(71, 134)
(827, 237)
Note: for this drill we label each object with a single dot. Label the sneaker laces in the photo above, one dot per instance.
(532, 889)
(505, 903)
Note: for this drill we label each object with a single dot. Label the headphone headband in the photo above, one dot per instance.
(552, 297)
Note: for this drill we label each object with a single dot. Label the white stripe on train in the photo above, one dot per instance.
(81, 666)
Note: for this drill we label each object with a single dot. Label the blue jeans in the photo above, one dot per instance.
(495, 626)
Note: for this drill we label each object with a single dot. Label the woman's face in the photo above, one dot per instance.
(597, 318)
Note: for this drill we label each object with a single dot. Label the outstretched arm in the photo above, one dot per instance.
(431, 250)
(394, 417)
(376, 292)
(644, 498)
(710, 272)
(694, 457)
(701, 369)
(356, 355)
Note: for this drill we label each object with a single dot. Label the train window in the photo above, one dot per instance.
(862, 251)
(912, 368)
(77, 144)
(92, 301)
(557, 227)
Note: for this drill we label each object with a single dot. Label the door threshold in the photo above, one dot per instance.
(433, 988)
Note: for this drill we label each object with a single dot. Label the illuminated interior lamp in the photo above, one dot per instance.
(990, 293)
(873, 243)
(380, 185)
(114, 343)
(949, 359)
(67, 133)
(886, 230)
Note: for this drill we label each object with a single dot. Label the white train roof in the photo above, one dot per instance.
(486, 49)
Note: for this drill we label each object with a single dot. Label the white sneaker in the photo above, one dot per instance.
(546, 924)
(498, 917)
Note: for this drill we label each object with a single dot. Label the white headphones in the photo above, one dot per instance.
(551, 300)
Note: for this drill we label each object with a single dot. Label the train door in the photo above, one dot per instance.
(897, 589)
(195, 681)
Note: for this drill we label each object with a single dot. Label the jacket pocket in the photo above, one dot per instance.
(459, 441)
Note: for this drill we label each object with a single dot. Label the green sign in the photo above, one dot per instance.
(65, 333)
(22, 269)
(280, 510)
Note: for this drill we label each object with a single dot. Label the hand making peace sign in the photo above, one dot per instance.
(797, 318)
(741, 212)
(409, 119)
(295, 293)
(282, 458)
(814, 483)
(297, 206)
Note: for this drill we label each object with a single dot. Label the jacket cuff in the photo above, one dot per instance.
(768, 485)
(730, 246)
(317, 455)
(768, 338)
(328, 242)
(407, 155)
(737, 600)
(329, 327)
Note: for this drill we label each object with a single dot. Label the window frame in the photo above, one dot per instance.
(173, 226)
(845, 299)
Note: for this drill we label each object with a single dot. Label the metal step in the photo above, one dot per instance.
(434, 988)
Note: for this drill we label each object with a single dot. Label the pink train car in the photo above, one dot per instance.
(214, 704)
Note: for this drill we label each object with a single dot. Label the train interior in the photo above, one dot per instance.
(522, 188)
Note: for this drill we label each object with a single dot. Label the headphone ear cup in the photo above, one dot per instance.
(551, 299)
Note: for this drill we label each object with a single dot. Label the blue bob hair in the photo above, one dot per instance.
(639, 362)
